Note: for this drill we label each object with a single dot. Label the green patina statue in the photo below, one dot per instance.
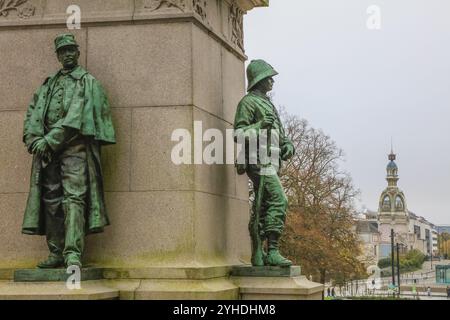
(256, 112)
(67, 122)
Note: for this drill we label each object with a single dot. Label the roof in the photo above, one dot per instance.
(363, 226)
(392, 165)
(371, 214)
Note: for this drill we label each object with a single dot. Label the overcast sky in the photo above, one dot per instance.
(363, 87)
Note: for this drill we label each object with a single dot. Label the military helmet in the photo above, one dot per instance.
(63, 40)
(258, 70)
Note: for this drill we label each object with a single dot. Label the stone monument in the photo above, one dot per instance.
(176, 230)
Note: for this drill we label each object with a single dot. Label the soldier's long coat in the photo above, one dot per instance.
(86, 109)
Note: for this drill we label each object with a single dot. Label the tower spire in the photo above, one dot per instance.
(392, 156)
(392, 169)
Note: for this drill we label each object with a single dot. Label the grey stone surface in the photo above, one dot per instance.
(149, 65)
(266, 271)
(212, 289)
(237, 236)
(214, 178)
(111, 10)
(207, 72)
(90, 290)
(26, 65)
(233, 82)
(116, 159)
(221, 229)
(17, 250)
(278, 288)
(60, 274)
(151, 163)
(242, 187)
(16, 162)
(185, 273)
(20, 17)
(161, 214)
(147, 229)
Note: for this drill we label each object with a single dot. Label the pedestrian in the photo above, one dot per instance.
(429, 291)
(328, 292)
(448, 292)
(414, 291)
(333, 293)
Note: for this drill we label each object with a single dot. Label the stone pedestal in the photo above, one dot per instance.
(51, 275)
(274, 283)
(160, 283)
(163, 64)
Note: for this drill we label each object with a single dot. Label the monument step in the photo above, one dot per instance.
(266, 271)
(93, 272)
(60, 274)
(90, 290)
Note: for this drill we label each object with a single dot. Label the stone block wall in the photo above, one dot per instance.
(163, 64)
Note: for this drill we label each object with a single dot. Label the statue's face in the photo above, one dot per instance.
(266, 84)
(68, 56)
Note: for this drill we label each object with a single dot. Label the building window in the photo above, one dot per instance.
(386, 203)
(417, 231)
(399, 203)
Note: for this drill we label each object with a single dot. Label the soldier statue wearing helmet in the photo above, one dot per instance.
(256, 112)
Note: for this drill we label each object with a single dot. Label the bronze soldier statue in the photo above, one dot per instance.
(256, 113)
(67, 122)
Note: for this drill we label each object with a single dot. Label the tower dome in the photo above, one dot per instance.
(392, 199)
(392, 171)
(392, 210)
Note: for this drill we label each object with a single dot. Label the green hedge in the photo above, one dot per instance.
(411, 261)
(384, 263)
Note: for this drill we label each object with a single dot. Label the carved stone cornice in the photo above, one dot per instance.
(222, 19)
(247, 5)
(236, 23)
(199, 7)
(22, 7)
(154, 5)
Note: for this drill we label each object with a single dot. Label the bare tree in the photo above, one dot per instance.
(319, 230)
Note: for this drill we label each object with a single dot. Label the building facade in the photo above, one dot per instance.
(411, 231)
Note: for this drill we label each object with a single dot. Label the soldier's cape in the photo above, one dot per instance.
(87, 111)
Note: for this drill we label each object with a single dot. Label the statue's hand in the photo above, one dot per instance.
(267, 121)
(41, 148)
(287, 152)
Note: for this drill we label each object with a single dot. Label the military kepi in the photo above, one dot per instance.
(63, 40)
(258, 70)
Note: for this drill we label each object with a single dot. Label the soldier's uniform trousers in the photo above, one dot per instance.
(274, 201)
(64, 188)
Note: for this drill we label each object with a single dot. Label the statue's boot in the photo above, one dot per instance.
(51, 262)
(258, 258)
(55, 243)
(274, 258)
(73, 261)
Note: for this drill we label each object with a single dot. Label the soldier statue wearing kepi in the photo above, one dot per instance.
(67, 122)
(256, 112)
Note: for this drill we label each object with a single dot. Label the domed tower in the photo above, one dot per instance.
(392, 209)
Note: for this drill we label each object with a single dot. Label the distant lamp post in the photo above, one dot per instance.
(392, 257)
(431, 256)
(398, 266)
